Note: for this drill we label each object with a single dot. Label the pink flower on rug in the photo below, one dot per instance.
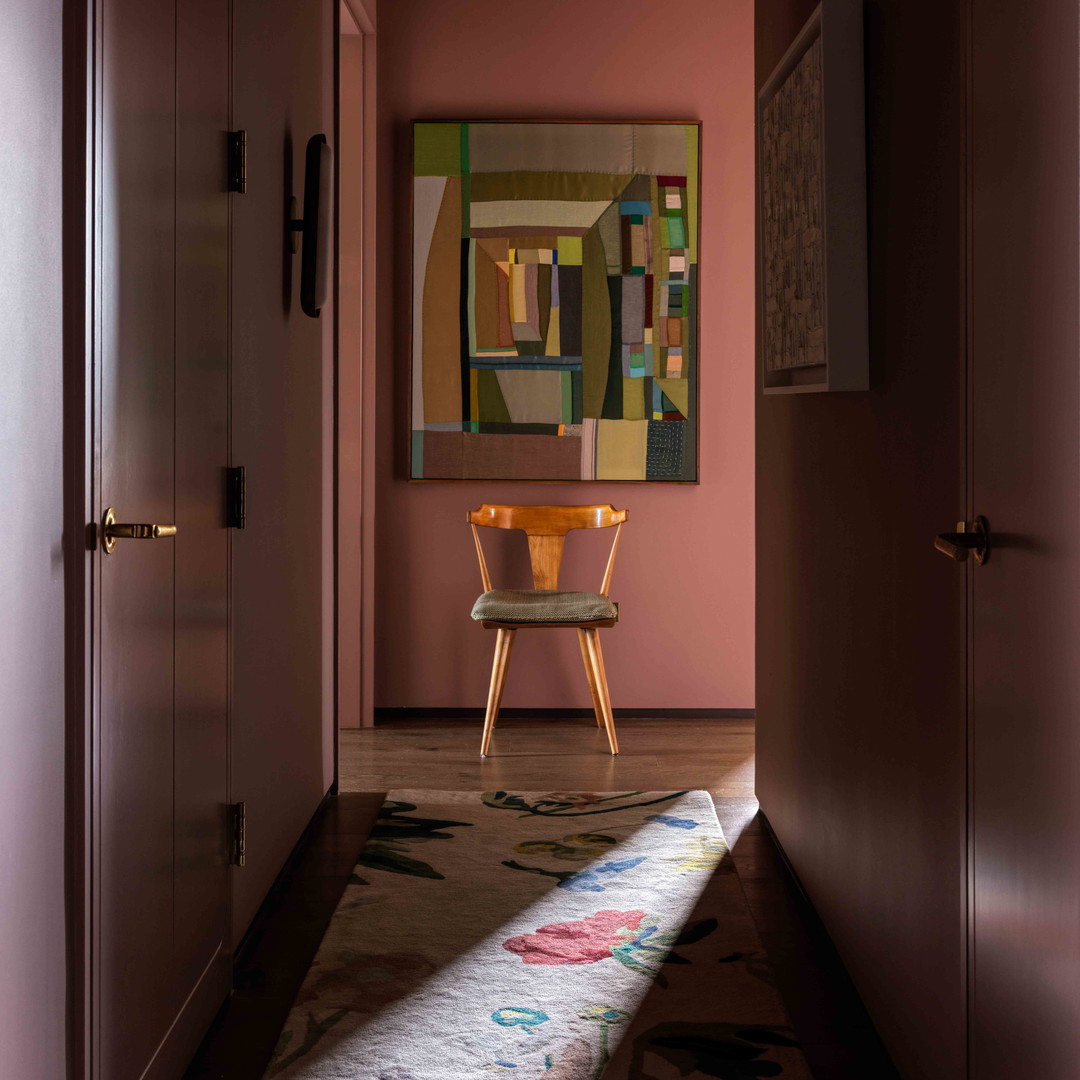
(582, 942)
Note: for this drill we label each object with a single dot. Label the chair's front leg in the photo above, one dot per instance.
(504, 645)
(593, 638)
(586, 659)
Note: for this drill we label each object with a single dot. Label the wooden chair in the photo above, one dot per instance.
(509, 610)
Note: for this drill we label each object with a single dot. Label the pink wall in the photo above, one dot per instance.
(685, 575)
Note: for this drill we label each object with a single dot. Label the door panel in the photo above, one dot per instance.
(283, 558)
(136, 724)
(202, 447)
(1026, 599)
(161, 876)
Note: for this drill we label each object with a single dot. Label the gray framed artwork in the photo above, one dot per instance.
(812, 209)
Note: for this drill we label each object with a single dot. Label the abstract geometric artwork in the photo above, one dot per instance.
(554, 301)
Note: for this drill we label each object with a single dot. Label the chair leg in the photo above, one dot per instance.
(586, 659)
(593, 638)
(504, 645)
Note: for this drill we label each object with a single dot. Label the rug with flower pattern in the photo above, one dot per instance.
(540, 936)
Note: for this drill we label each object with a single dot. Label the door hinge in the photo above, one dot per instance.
(235, 497)
(237, 825)
(238, 162)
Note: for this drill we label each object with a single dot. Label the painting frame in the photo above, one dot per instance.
(813, 318)
(689, 462)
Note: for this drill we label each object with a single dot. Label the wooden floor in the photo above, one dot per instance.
(715, 755)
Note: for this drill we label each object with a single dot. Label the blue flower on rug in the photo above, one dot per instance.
(591, 880)
(526, 1019)
(673, 822)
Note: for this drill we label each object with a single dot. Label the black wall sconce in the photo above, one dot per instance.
(314, 227)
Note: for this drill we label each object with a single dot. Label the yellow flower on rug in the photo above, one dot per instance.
(699, 853)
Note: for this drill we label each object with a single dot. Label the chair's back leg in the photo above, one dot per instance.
(593, 639)
(504, 645)
(586, 659)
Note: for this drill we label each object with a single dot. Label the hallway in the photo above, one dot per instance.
(299, 290)
(716, 755)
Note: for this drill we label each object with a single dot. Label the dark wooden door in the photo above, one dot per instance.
(160, 952)
(861, 747)
(1025, 624)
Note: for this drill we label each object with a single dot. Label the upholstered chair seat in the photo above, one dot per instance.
(543, 606)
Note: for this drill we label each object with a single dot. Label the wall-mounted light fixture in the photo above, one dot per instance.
(314, 227)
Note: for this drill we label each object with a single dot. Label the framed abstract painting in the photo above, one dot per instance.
(555, 301)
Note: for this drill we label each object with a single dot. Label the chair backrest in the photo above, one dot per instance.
(546, 528)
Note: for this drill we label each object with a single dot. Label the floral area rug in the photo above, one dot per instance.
(557, 936)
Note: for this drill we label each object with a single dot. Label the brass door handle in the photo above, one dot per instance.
(969, 536)
(113, 530)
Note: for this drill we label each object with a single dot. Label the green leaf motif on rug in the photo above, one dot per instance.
(570, 803)
(396, 863)
(724, 1051)
(655, 946)
(696, 931)
(394, 834)
(578, 847)
(316, 1029)
(605, 1016)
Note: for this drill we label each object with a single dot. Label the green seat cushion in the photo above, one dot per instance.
(542, 605)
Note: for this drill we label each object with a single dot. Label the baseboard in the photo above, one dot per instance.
(796, 881)
(410, 713)
(251, 936)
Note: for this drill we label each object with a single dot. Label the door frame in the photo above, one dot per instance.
(355, 530)
(81, 495)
